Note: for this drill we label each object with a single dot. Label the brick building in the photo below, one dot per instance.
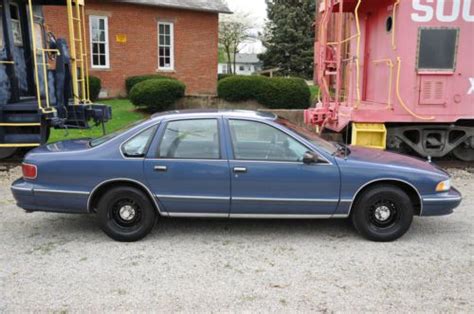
(177, 38)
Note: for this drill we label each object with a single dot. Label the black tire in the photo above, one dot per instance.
(126, 214)
(383, 213)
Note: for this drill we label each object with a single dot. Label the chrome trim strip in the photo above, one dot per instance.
(386, 179)
(255, 216)
(46, 191)
(346, 201)
(186, 160)
(192, 197)
(340, 216)
(267, 161)
(89, 209)
(276, 216)
(446, 199)
(22, 189)
(283, 200)
(198, 215)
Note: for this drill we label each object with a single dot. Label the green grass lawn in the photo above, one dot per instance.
(123, 113)
(314, 93)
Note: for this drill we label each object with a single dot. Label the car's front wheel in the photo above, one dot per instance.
(126, 214)
(382, 213)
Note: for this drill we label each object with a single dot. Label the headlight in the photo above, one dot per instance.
(444, 186)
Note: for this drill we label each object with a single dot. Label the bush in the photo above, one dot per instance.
(157, 94)
(130, 82)
(95, 85)
(274, 93)
(224, 76)
(241, 88)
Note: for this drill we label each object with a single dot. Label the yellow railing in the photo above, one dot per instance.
(46, 108)
(390, 80)
(399, 96)
(79, 60)
(394, 26)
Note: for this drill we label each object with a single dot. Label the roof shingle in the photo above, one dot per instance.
(218, 6)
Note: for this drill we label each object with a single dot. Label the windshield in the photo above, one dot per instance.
(108, 137)
(309, 136)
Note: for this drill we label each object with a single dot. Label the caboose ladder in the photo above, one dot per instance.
(79, 60)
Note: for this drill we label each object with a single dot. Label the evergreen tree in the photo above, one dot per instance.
(289, 37)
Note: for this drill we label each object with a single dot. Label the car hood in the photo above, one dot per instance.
(386, 158)
(63, 146)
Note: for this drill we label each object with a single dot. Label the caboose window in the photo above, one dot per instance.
(99, 30)
(437, 49)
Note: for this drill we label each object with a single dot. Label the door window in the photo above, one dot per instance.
(16, 25)
(258, 141)
(191, 139)
(138, 145)
(1, 27)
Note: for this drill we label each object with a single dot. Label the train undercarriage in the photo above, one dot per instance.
(433, 140)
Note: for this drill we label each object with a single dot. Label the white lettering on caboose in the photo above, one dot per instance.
(471, 90)
(445, 11)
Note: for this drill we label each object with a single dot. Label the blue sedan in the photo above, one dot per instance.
(230, 164)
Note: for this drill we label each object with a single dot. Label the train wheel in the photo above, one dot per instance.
(464, 152)
(7, 152)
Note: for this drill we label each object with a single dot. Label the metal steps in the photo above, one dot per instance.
(20, 125)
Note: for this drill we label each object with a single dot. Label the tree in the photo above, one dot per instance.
(289, 37)
(233, 31)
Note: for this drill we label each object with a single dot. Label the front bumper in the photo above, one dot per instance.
(441, 203)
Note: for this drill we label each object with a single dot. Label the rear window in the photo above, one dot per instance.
(437, 49)
(108, 137)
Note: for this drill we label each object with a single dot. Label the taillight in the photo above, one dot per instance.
(29, 171)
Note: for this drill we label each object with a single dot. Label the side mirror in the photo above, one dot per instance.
(310, 158)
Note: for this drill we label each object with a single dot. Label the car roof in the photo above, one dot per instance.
(265, 115)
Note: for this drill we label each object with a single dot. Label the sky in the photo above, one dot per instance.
(257, 11)
(255, 8)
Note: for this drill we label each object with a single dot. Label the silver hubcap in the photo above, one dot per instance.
(127, 213)
(382, 213)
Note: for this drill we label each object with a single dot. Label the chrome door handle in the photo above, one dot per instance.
(161, 168)
(240, 170)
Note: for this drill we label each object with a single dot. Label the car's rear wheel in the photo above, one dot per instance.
(126, 214)
(382, 213)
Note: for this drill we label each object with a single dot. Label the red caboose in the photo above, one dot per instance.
(398, 73)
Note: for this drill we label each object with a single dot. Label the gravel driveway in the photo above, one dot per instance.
(63, 263)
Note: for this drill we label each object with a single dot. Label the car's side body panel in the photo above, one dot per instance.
(70, 172)
(263, 188)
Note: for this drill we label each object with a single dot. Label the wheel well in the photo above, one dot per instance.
(407, 188)
(102, 189)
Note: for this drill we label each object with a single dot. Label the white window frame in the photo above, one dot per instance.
(107, 42)
(171, 46)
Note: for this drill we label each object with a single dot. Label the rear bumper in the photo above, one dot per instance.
(34, 198)
(23, 193)
(441, 204)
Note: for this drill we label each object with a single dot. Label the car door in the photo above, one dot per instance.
(269, 179)
(188, 170)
